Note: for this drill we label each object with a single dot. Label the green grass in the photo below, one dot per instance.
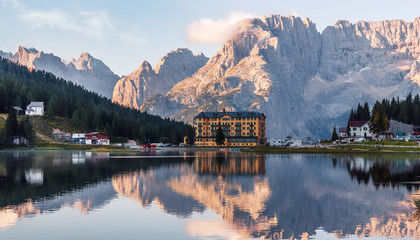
(336, 149)
(61, 123)
(388, 143)
(46, 146)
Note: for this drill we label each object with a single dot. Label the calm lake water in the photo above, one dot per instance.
(207, 195)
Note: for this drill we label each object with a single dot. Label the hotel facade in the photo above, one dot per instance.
(239, 128)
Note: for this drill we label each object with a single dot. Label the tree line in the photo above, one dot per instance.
(15, 128)
(86, 110)
(406, 110)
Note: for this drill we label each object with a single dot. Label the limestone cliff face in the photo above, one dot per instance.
(147, 82)
(304, 81)
(87, 71)
(262, 68)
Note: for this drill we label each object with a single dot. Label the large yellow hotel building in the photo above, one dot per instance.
(240, 128)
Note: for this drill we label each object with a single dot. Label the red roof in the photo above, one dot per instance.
(357, 123)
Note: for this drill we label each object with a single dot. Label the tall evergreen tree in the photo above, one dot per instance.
(220, 136)
(28, 131)
(379, 121)
(190, 136)
(366, 112)
(11, 127)
(334, 134)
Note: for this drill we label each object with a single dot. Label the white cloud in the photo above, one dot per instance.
(215, 31)
(13, 4)
(92, 24)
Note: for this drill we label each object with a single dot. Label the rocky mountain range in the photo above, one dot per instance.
(133, 90)
(86, 71)
(303, 80)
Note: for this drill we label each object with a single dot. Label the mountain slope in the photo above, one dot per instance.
(147, 82)
(84, 110)
(304, 81)
(87, 71)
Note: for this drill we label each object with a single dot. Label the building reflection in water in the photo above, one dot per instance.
(273, 197)
(227, 163)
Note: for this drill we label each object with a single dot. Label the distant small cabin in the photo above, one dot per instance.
(35, 109)
(97, 138)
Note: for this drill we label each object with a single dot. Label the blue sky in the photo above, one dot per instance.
(125, 33)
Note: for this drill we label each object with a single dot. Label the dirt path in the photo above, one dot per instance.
(45, 138)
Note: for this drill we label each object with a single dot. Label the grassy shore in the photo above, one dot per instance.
(390, 143)
(57, 146)
(336, 149)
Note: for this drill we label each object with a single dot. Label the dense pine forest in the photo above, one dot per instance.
(406, 111)
(87, 110)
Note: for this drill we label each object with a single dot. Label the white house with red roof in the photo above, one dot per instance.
(360, 129)
(97, 138)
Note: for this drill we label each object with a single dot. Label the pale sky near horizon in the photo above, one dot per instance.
(125, 33)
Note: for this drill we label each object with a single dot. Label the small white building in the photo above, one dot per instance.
(78, 138)
(276, 142)
(294, 143)
(35, 109)
(359, 129)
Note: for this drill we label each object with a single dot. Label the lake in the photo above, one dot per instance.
(207, 195)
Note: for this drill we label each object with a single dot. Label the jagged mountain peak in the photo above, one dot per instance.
(146, 82)
(87, 71)
(145, 66)
(22, 49)
(180, 58)
(85, 55)
(87, 62)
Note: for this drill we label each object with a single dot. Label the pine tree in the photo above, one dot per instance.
(220, 136)
(334, 135)
(28, 131)
(11, 127)
(366, 112)
(190, 136)
(379, 121)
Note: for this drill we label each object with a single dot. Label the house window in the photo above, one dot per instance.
(354, 129)
(365, 128)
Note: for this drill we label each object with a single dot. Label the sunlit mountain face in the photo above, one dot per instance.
(224, 194)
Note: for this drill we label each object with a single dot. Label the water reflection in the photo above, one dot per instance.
(226, 163)
(272, 197)
(383, 171)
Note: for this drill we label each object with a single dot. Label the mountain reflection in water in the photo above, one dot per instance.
(269, 196)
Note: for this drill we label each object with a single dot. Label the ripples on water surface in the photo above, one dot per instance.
(207, 195)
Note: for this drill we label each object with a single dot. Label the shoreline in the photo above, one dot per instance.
(322, 149)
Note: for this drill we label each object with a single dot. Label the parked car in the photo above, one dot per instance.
(148, 145)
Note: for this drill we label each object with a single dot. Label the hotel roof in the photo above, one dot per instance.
(230, 114)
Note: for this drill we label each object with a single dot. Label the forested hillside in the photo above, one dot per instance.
(19, 86)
